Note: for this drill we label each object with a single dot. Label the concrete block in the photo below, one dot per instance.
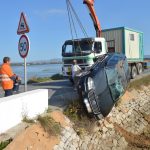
(14, 108)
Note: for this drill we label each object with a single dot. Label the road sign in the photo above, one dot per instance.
(23, 46)
(23, 26)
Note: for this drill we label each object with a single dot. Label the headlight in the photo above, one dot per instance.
(87, 105)
(90, 83)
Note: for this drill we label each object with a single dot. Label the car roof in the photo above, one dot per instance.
(109, 60)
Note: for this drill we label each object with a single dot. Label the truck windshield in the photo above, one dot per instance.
(78, 47)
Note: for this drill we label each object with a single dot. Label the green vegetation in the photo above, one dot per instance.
(137, 84)
(27, 120)
(57, 77)
(49, 125)
(5, 143)
(49, 110)
(38, 80)
(45, 79)
(77, 114)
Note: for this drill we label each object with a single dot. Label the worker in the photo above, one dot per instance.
(7, 77)
(75, 71)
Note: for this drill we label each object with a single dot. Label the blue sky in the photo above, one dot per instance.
(49, 23)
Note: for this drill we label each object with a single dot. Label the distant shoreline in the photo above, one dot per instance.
(34, 64)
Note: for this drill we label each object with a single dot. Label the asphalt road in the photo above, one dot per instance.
(61, 92)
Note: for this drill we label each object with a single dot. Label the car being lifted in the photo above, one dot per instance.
(102, 86)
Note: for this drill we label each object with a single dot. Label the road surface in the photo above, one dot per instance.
(61, 92)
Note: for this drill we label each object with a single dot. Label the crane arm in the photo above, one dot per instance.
(90, 5)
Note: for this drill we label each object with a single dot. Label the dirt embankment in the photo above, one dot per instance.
(36, 138)
(126, 127)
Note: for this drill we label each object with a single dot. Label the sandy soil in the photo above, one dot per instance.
(59, 117)
(35, 138)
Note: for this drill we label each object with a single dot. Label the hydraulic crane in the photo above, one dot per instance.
(84, 50)
(90, 5)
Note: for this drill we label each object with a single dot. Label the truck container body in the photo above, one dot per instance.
(115, 40)
(126, 41)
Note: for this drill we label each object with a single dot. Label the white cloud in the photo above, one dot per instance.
(46, 13)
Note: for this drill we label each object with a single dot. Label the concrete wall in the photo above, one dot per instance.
(13, 108)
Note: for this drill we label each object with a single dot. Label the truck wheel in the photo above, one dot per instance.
(139, 68)
(133, 72)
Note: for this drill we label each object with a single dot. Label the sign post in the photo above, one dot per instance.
(23, 45)
(23, 48)
(25, 75)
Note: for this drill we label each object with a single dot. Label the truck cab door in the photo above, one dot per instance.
(98, 47)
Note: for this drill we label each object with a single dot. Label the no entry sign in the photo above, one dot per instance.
(23, 46)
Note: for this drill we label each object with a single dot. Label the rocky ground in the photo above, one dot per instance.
(126, 128)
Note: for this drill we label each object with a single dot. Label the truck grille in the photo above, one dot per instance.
(93, 102)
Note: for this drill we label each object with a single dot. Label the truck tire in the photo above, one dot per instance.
(133, 72)
(139, 67)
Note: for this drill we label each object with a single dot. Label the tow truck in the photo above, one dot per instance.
(87, 50)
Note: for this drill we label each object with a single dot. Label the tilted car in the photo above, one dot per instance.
(102, 86)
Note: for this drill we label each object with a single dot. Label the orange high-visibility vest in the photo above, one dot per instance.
(5, 74)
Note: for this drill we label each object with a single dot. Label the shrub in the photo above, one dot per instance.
(27, 120)
(49, 125)
(5, 143)
(57, 77)
(137, 84)
(78, 115)
(45, 79)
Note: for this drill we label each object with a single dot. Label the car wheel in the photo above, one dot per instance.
(139, 68)
(133, 72)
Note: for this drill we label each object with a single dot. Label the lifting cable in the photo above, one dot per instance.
(68, 11)
(71, 11)
(77, 18)
(71, 24)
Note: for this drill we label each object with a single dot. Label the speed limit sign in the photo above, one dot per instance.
(23, 46)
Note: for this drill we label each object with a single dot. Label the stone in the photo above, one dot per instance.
(80, 143)
(115, 142)
(95, 129)
(67, 135)
(90, 146)
(113, 148)
(68, 128)
(105, 129)
(72, 147)
(63, 139)
(74, 136)
(84, 146)
(61, 144)
(56, 147)
(122, 141)
(110, 126)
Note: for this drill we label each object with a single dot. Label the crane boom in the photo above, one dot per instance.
(90, 5)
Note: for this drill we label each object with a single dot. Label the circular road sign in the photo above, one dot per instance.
(23, 46)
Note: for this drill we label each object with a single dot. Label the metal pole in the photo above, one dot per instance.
(25, 75)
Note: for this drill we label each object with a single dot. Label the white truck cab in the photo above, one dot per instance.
(85, 51)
